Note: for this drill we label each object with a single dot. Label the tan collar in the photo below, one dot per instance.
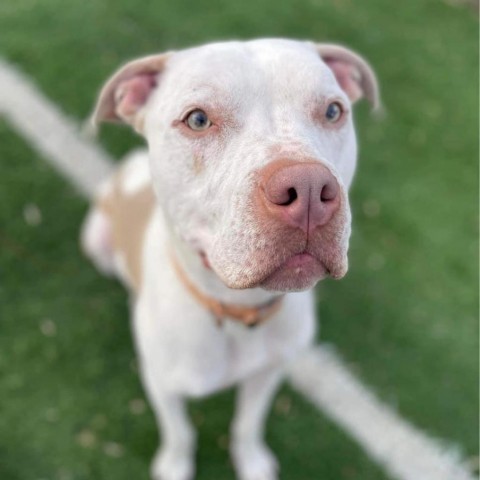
(249, 316)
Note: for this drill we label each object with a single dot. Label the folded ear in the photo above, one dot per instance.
(125, 94)
(353, 73)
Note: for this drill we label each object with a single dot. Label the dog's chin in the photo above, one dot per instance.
(300, 272)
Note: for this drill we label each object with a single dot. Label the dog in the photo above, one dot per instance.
(221, 230)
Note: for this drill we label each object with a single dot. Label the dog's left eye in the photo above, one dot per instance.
(334, 112)
(198, 120)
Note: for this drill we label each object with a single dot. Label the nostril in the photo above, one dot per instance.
(292, 196)
(328, 193)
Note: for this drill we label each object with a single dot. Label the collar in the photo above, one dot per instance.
(249, 316)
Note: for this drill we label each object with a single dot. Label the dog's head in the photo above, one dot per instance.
(252, 151)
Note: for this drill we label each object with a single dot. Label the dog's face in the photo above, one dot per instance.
(252, 151)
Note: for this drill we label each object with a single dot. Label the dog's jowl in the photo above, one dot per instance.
(223, 227)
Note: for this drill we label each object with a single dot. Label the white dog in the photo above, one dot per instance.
(241, 198)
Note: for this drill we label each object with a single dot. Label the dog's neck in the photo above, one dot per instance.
(208, 282)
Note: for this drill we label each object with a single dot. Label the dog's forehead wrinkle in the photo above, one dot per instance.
(218, 66)
(273, 70)
(295, 69)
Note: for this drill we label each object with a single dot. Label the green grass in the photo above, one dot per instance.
(405, 317)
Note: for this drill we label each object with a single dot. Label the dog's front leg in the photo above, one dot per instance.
(252, 458)
(174, 459)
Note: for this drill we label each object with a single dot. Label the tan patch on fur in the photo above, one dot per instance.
(289, 150)
(197, 164)
(139, 122)
(129, 215)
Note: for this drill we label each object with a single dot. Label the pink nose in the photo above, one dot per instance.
(303, 195)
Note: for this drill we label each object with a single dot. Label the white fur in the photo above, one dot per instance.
(121, 269)
(136, 174)
(266, 88)
(95, 241)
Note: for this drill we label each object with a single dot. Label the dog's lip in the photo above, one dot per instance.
(298, 262)
(298, 272)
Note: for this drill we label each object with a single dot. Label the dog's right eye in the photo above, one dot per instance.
(198, 120)
(334, 112)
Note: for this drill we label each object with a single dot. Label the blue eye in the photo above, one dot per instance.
(334, 112)
(198, 120)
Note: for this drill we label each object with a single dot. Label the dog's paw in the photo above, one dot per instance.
(254, 461)
(172, 464)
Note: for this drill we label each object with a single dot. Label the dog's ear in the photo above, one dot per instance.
(353, 73)
(125, 94)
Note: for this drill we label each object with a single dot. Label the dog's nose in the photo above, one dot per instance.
(303, 195)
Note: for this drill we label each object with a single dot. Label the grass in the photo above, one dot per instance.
(405, 318)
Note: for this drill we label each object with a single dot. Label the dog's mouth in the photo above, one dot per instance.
(299, 272)
(294, 271)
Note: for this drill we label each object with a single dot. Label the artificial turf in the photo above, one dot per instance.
(405, 318)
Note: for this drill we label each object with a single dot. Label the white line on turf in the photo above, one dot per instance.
(405, 452)
(49, 131)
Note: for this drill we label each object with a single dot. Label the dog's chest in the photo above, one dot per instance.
(182, 346)
(193, 355)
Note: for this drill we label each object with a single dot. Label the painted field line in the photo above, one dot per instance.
(50, 132)
(402, 450)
